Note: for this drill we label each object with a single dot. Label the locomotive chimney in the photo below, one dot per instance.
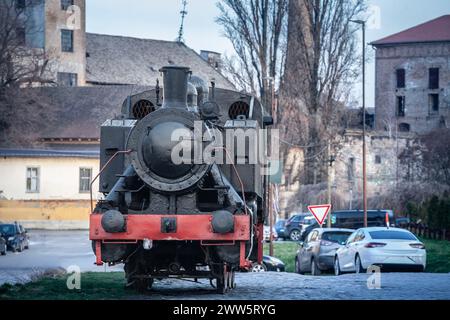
(175, 86)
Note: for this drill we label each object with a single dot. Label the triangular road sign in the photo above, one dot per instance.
(320, 212)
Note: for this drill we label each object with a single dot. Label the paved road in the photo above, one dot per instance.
(50, 250)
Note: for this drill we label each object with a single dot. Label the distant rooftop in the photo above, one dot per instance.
(437, 30)
(33, 153)
(118, 60)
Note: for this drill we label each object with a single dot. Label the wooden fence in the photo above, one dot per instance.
(423, 231)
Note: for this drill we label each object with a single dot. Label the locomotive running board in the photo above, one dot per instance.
(189, 228)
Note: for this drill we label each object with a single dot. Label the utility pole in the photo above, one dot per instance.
(183, 13)
(271, 202)
(329, 165)
(363, 26)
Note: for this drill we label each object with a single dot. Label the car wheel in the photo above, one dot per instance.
(358, 266)
(315, 271)
(257, 267)
(337, 267)
(295, 235)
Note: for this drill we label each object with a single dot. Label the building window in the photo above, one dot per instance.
(434, 78)
(85, 179)
(351, 169)
(404, 127)
(65, 4)
(20, 4)
(377, 159)
(433, 101)
(33, 180)
(401, 106)
(66, 79)
(20, 36)
(400, 78)
(67, 40)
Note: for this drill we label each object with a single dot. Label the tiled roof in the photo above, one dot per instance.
(126, 60)
(437, 30)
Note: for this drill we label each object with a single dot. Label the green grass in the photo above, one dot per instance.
(285, 251)
(438, 255)
(94, 286)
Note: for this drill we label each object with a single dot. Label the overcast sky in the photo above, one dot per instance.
(160, 19)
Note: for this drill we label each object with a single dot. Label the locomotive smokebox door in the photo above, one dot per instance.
(168, 225)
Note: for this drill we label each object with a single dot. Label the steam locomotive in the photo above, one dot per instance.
(188, 219)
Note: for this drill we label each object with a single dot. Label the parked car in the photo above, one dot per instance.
(3, 246)
(296, 225)
(267, 234)
(270, 264)
(16, 237)
(402, 222)
(390, 249)
(280, 227)
(354, 219)
(316, 254)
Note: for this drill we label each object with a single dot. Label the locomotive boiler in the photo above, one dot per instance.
(187, 219)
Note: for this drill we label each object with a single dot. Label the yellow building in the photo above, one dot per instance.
(47, 189)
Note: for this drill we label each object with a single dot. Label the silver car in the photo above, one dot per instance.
(317, 253)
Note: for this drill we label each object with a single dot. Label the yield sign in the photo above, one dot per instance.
(320, 212)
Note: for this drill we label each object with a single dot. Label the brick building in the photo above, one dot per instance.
(413, 78)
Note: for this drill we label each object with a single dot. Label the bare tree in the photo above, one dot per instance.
(322, 60)
(428, 158)
(20, 64)
(256, 30)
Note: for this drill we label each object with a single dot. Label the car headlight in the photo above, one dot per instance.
(11, 239)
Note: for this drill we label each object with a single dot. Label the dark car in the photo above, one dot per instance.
(316, 254)
(16, 237)
(296, 225)
(354, 219)
(402, 222)
(279, 228)
(3, 246)
(269, 264)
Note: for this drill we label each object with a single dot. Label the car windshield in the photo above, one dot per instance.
(336, 237)
(308, 221)
(391, 235)
(280, 223)
(7, 229)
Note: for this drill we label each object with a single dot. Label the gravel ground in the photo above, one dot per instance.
(52, 252)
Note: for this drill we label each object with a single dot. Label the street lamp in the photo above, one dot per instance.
(363, 26)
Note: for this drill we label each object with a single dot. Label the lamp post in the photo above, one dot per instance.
(363, 26)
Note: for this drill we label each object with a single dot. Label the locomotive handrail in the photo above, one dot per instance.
(102, 169)
(238, 176)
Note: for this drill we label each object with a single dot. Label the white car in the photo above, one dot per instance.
(267, 234)
(391, 248)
